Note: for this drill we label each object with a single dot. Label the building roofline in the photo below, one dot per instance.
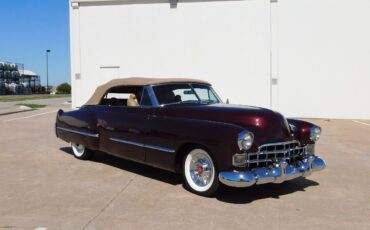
(119, 1)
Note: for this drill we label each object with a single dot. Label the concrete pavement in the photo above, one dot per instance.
(43, 185)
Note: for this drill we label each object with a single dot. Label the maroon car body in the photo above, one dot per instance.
(161, 135)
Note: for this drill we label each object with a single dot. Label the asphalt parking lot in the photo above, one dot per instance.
(43, 186)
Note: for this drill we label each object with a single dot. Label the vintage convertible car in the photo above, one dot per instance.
(181, 125)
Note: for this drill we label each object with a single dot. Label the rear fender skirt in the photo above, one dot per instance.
(89, 139)
(83, 133)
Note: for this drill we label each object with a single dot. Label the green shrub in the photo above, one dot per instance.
(64, 88)
(33, 106)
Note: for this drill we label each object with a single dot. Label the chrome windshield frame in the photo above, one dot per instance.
(156, 103)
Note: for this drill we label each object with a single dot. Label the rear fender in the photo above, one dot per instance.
(78, 126)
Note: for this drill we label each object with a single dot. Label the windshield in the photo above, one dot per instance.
(185, 93)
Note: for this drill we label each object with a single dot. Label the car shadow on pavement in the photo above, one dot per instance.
(133, 167)
(259, 192)
(227, 194)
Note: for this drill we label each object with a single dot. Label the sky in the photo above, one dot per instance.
(28, 28)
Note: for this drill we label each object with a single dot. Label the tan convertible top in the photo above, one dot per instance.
(136, 81)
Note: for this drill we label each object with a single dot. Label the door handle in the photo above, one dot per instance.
(135, 131)
(151, 116)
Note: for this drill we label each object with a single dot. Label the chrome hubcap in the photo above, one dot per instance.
(78, 149)
(201, 169)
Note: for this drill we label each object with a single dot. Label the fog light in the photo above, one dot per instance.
(239, 160)
(310, 149)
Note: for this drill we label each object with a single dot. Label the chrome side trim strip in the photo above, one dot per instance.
(162, 149)
(79, 132)
(127, 142)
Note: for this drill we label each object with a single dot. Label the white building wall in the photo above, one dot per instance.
(317, 50)
(324, 58)
(225, 42)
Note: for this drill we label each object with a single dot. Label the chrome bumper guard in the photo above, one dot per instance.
(277, 173)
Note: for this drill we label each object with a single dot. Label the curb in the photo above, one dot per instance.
(14, 112)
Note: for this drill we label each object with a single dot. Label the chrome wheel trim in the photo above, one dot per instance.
(78, 149)
(199, 170)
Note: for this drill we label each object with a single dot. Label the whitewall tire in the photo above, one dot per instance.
(200, 173)
(81, 152)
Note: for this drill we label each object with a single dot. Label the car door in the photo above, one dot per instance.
(160, 138)
(122, 132)
(123, 123)
(161, 141)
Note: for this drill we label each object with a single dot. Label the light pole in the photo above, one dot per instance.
(47, 70)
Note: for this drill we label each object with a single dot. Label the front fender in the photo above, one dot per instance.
(301, 131)
(219, 138)
(78, 126)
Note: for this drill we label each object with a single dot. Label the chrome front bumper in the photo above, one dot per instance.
(277, 173)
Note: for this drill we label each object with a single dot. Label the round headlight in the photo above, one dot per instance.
(245, 140)
(315, 133)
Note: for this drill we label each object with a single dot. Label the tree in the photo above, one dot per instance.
(64, 88)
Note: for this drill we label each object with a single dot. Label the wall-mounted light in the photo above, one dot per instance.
(75, 5)
(173, 4)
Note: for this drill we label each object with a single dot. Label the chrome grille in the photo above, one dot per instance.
(270, 153)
